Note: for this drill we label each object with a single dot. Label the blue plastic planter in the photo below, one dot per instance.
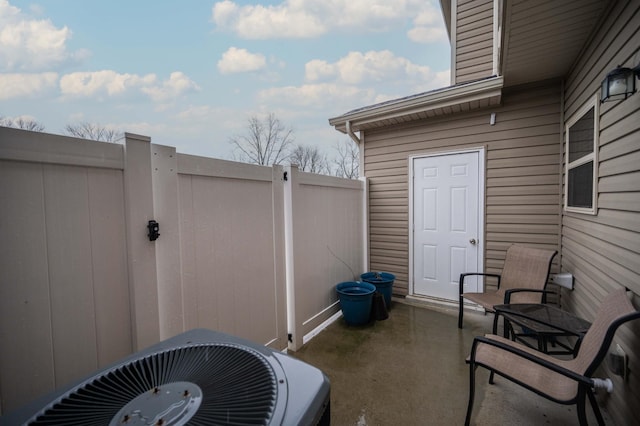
(355, 301)
(383, 282)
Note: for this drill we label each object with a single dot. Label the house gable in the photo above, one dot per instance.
(473, 40)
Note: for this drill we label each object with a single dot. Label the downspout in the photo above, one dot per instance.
(360, 146)
(365, 198)
(351, 134)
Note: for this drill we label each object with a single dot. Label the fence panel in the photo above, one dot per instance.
(327, 241)
(81, 285)
(64, 295)
(231, 243)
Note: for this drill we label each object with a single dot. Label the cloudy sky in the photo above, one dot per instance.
(190, 73)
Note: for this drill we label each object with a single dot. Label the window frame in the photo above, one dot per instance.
(593, 156)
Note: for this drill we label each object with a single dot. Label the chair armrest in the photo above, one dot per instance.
(583, 380)
(484, 274)
(508, 293)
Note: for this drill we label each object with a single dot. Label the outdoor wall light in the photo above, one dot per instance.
(619, 84)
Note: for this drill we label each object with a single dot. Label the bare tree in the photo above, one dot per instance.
(309, 159)
(96, 132)
(6, 122)
(22, 123)
(347, 160)
(265, 142)
(28, 124)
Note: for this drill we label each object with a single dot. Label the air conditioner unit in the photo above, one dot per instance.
(200, 377)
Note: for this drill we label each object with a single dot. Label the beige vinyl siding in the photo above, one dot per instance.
(474, 40)
(522, 176)
(603, 251)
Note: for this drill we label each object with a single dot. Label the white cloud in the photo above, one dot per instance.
(197, 118)
(318, 69)
(111, 83)
(102, 82)
(236, 60)
(372, 66)
(8, 12)
(177, 84)
(224, 11)
(429, 15)
(354, 80)
(441, 79)
(260, 22)
(198, 113)
(311, 18)
(428, 27)
(195, 129)
(32, 44)
(22, 85)
(142, 128)
(319, 95)
(25, 117)
(427, 34)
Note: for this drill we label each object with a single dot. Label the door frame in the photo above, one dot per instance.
(481, 212)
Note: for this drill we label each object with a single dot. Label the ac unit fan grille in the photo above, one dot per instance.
(238, 387)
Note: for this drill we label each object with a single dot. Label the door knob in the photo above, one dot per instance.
(473, 241)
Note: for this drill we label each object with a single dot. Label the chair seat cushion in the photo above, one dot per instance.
(553, 384)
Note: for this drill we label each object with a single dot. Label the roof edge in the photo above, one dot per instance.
(445, 97)
(445, 7)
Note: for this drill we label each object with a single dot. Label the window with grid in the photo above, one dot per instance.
(581, 160)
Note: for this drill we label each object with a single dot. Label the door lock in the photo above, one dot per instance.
(473, 241)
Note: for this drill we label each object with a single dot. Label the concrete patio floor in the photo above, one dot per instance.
(410, 370)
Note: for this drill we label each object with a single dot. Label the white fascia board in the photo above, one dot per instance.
(447, 97)
(445, 8)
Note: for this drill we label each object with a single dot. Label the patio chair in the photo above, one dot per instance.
(565, 381)
(525, 271)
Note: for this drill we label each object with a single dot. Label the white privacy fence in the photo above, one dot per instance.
(247, 250)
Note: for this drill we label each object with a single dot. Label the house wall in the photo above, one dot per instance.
(603, 250)
(522, 176)
(473, 48)
(81, 285)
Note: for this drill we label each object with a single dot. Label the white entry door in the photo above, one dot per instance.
(447, 223)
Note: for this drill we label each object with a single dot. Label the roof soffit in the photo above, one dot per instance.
(542, 39)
